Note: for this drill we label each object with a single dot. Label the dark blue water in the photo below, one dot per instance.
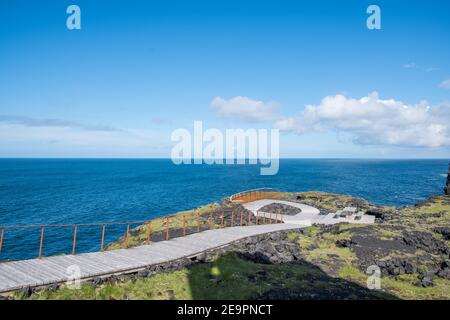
(38, 191)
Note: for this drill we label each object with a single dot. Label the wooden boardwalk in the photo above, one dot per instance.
(56, 269)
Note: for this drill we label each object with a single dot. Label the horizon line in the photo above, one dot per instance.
(162, 158)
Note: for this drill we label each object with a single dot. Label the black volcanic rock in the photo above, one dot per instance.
(444, 231)
(397, 266)
(425, 241)
(281, 208)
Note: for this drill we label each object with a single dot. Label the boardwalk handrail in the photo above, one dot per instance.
(75, 227)
(253, 194)
(215, 217)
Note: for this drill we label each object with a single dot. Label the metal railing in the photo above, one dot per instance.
(254, 194)
(179, 225)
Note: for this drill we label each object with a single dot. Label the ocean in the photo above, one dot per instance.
(54, 191)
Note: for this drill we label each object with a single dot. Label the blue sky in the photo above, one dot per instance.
(137, 70)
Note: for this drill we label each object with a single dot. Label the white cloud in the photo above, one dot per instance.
(33, 122)
(246, 109)
(372, 120)
(413, 65)
(31, 136)
(445, 84)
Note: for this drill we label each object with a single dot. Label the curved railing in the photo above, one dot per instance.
(254, 194)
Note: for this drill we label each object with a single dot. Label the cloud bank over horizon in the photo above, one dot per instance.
(370, 120)
(58, 137)
(366, 121)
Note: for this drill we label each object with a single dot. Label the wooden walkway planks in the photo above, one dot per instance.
(37, 272)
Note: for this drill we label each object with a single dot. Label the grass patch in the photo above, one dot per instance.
(404, 286)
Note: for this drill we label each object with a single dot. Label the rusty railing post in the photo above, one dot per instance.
(184, 225)
(74, 244)
(223, 217)
(210, 219)
(232, 217)
(167, 228)
(41, 242)
(102, 245)
(126, 235)
(149, 230)
(198, 221)
(2, 235)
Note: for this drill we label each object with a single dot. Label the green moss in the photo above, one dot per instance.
(404, 286)
(348, 226)
(349, 272)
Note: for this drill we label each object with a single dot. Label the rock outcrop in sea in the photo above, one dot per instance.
(447, 185)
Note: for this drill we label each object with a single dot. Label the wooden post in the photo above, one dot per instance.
(257, 217)
(198, 221)
(149, 230)
(184, 225)
(74, 244)
(249, 217)
(41, 242)
(241, 217)
(223, 217)
(276, 217)
(232, 217)
(264, 218)
(210, 219)
(102, 245)
(270, 222)
(1, 238)
(167, 228)
(126, 235)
